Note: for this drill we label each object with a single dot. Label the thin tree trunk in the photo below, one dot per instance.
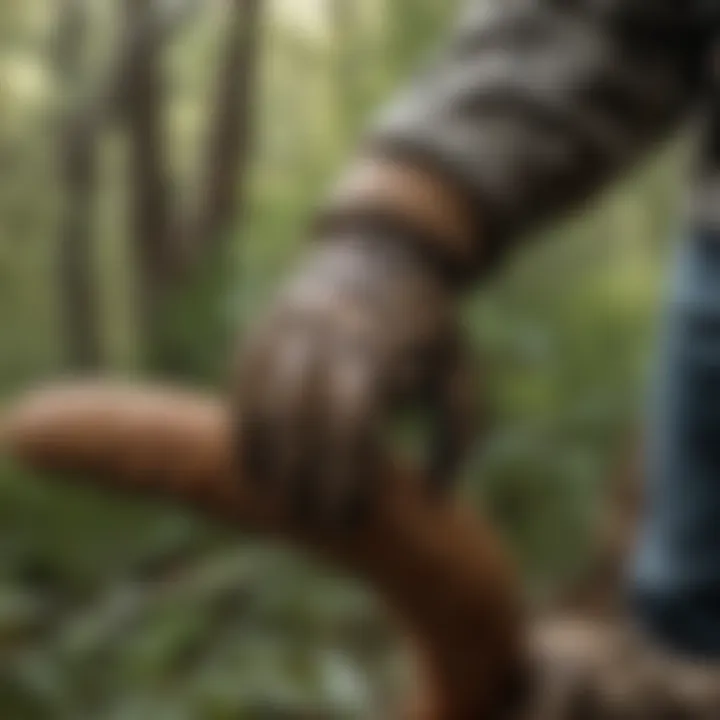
(228, 153)
(110, 94)
(345, 20)
(77, 170)
(201, 238)
(169, 246)
(149, 185)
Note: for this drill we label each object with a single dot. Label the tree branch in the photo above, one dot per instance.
(441, 570)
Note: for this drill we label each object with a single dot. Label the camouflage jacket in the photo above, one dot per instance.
(532, 107)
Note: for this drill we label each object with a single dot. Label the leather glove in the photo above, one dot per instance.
(366, 327)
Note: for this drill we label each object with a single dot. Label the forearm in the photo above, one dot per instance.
(532, 108)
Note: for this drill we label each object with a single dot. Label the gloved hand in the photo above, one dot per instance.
(365, 327)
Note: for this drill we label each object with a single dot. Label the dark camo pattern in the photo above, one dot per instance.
(536, 104)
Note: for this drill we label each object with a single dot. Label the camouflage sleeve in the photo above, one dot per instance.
(531, 107)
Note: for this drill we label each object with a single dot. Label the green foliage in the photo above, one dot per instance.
(112, 611)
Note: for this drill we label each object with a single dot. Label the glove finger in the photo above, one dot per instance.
(286, 405)
(251, 428)
(454, 417)
(349, 477)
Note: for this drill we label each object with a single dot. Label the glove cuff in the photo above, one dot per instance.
(402, 203)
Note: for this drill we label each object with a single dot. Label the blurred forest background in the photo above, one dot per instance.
(159, 160)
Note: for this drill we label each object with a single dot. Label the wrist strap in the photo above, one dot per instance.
(384, 229)
(401, 202)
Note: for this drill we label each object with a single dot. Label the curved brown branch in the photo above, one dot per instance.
(440, 569)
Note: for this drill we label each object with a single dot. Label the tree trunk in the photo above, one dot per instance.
(228, 153)
(201, 271)
(174, 250)
(348, 63)
(77, 169)
(149, 187)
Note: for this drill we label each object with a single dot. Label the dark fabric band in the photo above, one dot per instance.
(383, 228)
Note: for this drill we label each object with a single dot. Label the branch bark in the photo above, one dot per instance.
(440, 569)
